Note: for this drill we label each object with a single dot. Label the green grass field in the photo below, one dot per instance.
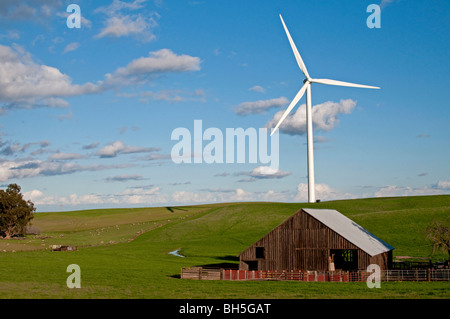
(123, 253)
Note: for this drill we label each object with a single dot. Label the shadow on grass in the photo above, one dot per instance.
(229, 262)
(171, 209)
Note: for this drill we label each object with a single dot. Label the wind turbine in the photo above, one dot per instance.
(309, 130)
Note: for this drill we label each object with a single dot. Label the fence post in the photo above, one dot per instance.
(429, 274)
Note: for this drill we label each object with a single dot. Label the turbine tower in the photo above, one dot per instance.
(309, 129)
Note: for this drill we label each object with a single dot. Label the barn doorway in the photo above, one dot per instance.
(344, 259)
(251, 264)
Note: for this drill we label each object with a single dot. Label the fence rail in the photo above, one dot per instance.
(200, 273)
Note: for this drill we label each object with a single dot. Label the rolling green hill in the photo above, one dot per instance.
(123, 253)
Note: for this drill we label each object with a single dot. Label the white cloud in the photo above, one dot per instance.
(90, 146)
(160, 61)
(394, 190)
(191, 197)
(169, 96)
(143, 69)
(322, 192)
(67, 116)
(442, 185)
(324, 116)
(118, 147)
(224, 196)
(119, 24)
(11, 35)
(272, 196)
(125, 26)
(257, 88)
(30, 10)
(440, 188)
(320, 139)
(127, 197)
(66, 156)
(261, 172)
(268, 172)
(166, 95)
(151, 196)
(39, 198)
(33, 195)
(118, 5)
(140, 196)
(155, 156)
(25, 83)
(260, 106)
(125, 178)
(71, 47)
(385, 3)
(17, 148)
(31, 168)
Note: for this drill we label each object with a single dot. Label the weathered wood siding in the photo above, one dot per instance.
(303, 243)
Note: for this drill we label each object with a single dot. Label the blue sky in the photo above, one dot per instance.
(86, 115)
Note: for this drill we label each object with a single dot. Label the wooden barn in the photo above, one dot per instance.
(317, 239)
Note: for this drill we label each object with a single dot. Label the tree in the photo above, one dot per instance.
(15, 212)
(439, 235)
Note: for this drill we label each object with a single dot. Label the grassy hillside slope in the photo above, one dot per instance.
(123, 253)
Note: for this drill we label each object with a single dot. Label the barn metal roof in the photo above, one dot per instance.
(350, 230)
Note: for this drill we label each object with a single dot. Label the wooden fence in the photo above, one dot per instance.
(341, 276)
(200, 273)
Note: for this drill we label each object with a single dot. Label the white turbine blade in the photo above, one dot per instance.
(341, 83)
(291, 106)
(296, 53)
